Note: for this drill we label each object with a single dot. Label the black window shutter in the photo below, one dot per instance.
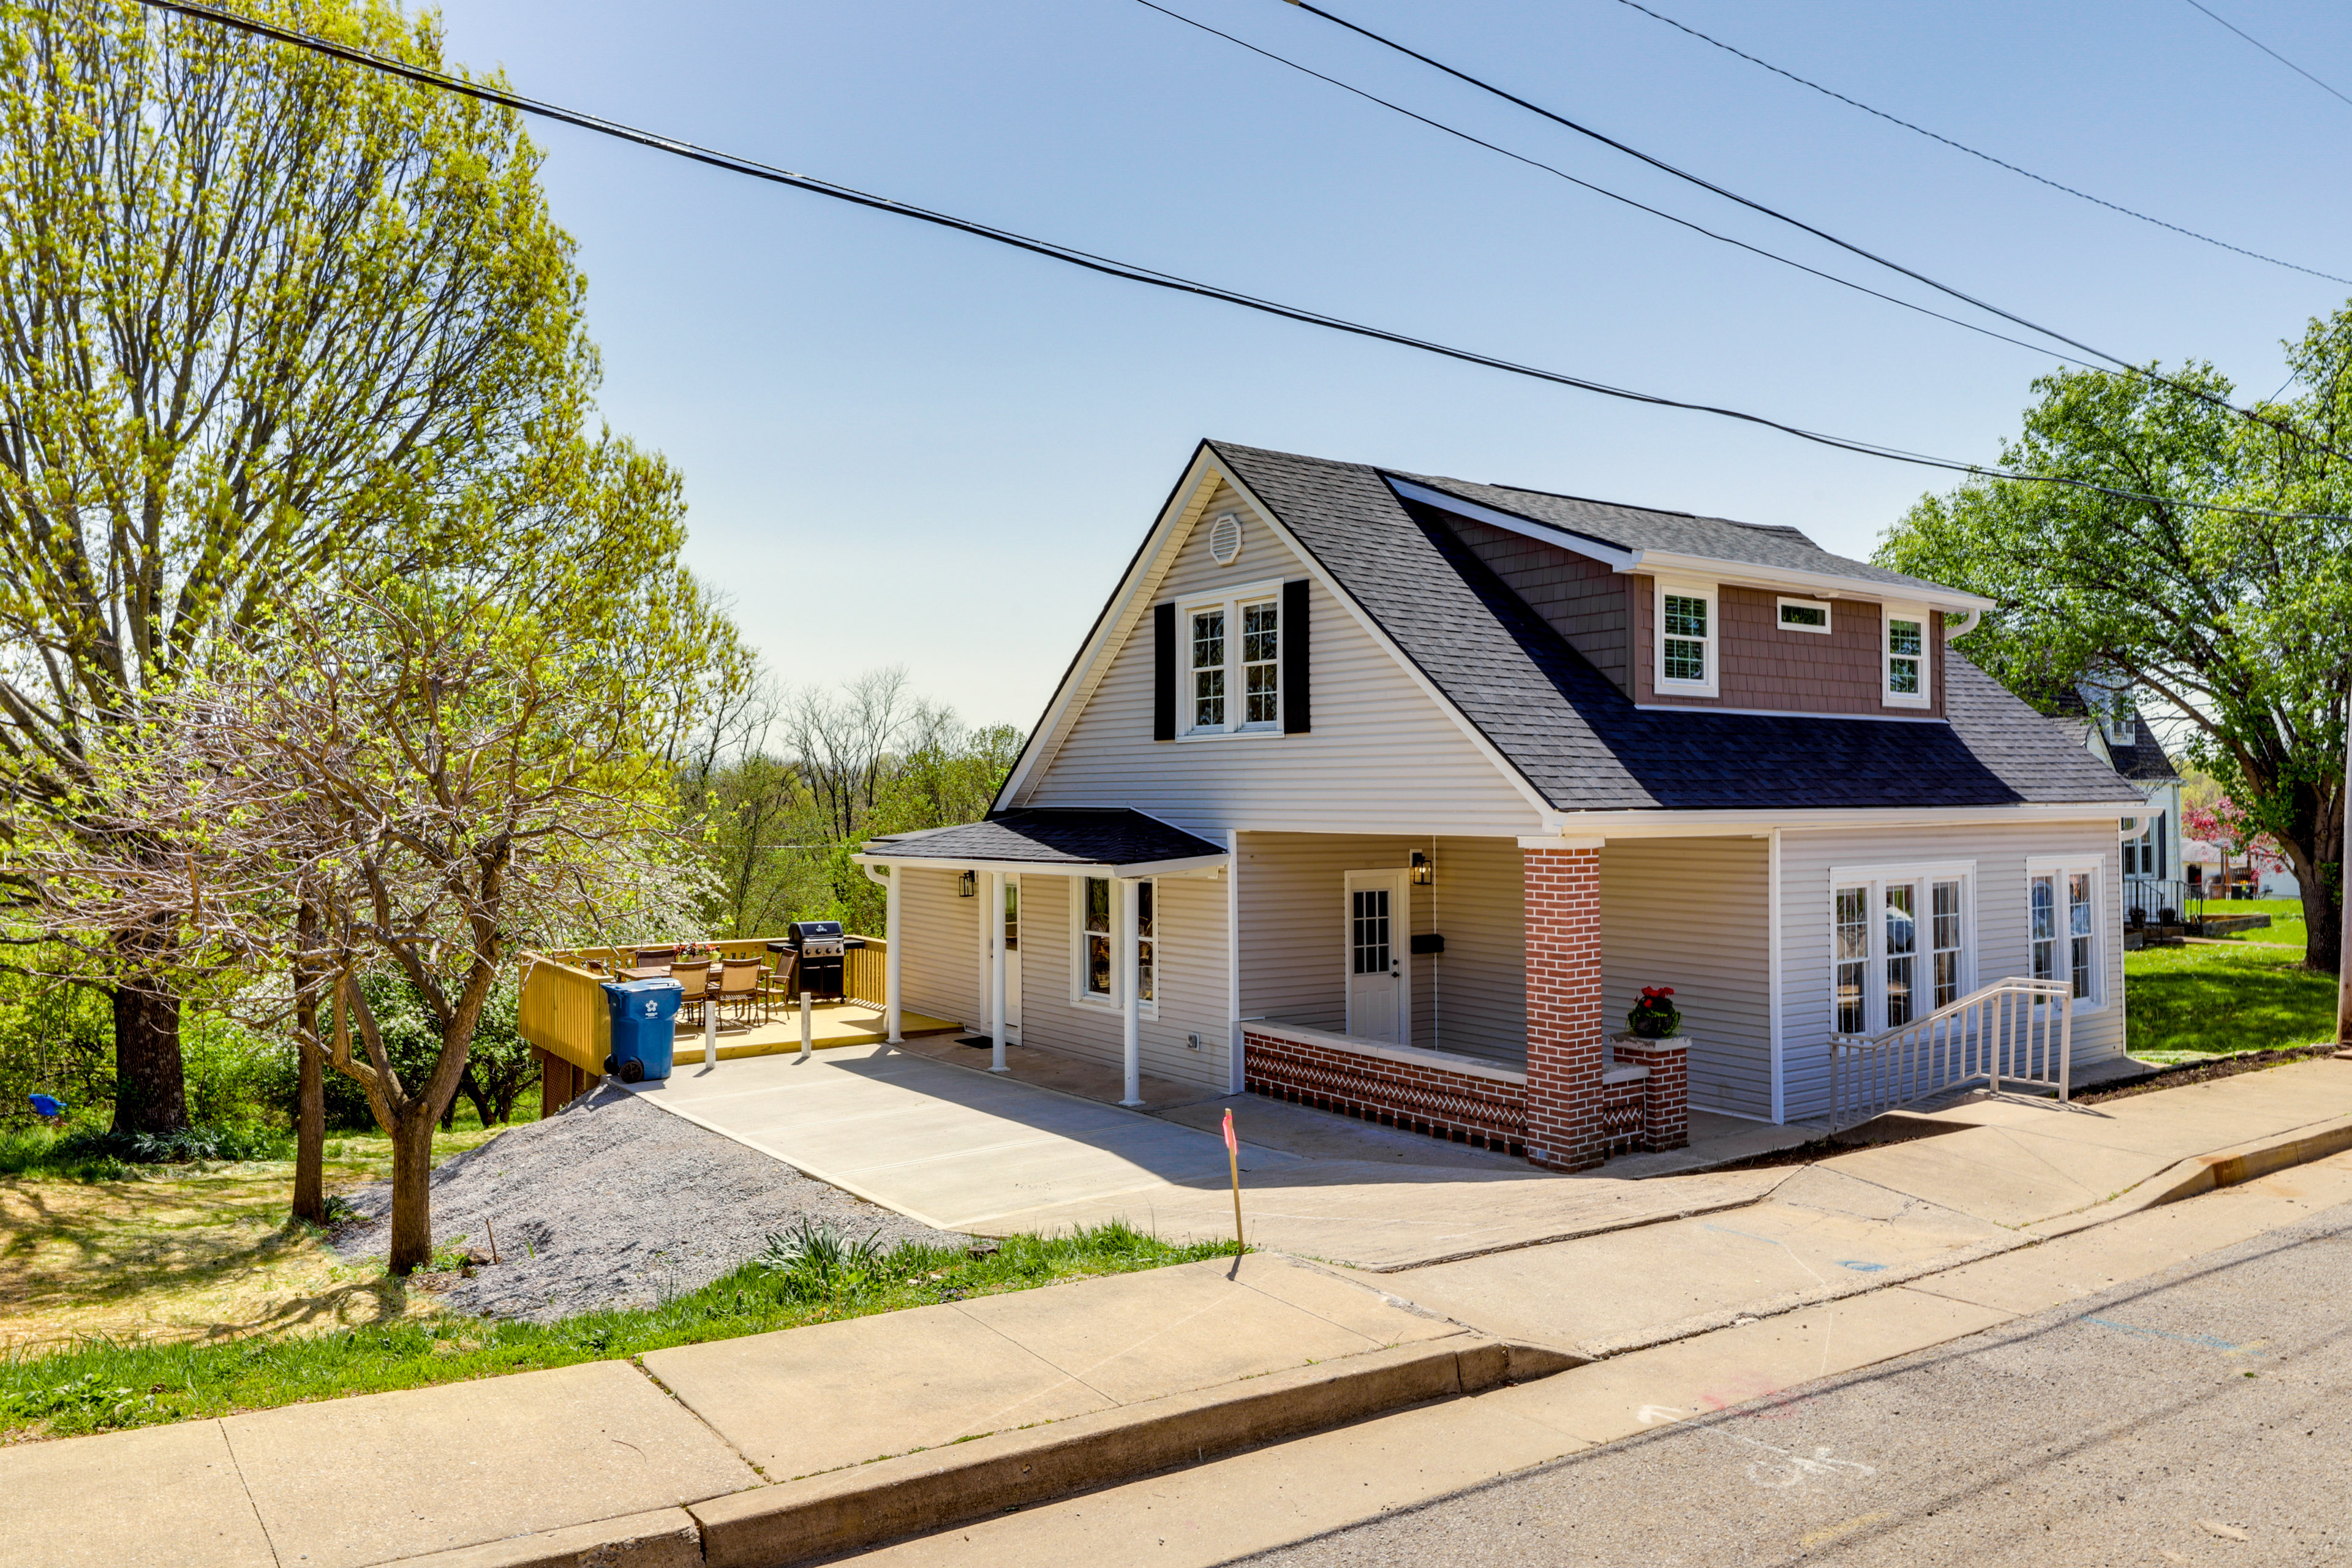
(1295, 714)
(1163, 672)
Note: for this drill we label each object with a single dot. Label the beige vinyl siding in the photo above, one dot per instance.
(939, 941)
(1190, 954)
(1293, 901)
(1381, 754)
(1691, 914)
(2001, 854)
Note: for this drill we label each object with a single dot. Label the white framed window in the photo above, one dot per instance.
(1903, 634)
(1093, 957)
(1229, 681)
(1805, 616)
(2063, 925)
(1687, 644)
(1902, 944)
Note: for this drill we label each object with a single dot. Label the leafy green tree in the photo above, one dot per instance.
(262, 315)
(2239, 623)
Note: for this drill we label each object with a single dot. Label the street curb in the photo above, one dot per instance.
(2202, 1174)
(845, 1510)
(666, 1538)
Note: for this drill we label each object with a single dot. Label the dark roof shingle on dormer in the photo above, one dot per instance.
(1578, 739)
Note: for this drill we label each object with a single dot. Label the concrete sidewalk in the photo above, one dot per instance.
(717, 1453)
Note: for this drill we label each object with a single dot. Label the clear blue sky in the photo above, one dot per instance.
(903, 446)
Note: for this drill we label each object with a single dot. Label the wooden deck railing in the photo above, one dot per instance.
(563, 1008)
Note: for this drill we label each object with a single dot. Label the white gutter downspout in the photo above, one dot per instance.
(1772, 971)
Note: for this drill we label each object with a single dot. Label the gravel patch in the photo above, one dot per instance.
(612, 1202)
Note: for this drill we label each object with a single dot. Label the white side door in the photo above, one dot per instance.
(1012, 960)
(1376, 934)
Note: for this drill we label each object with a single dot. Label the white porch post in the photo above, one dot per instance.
(994, 916)
(891, 1004)
(1130, 982)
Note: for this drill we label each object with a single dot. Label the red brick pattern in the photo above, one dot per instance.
(1562, 893)
(1414, 1097)
(1665, 1104)
(1621, 1116)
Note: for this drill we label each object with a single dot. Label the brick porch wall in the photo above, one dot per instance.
(1562, 893)
(1415, 1097)
(1665, 1099)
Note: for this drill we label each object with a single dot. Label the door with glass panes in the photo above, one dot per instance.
(1376, 930)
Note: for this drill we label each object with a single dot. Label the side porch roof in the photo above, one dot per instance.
(1106, 841)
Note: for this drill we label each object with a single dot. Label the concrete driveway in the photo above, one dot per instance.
(946, 1145)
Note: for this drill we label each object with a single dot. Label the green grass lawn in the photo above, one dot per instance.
(102, 1386)
(2245, 992)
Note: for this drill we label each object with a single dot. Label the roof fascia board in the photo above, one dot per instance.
(1716, 824)
(1188, 497)
(1826, 584)
(1535, 797)
(1177, 868)
(1614, 557)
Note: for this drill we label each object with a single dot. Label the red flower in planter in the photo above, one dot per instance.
(1654, 1018)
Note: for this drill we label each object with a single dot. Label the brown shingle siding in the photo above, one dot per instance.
(1581, 599)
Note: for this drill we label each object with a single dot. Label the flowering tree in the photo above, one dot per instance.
(2226, 825)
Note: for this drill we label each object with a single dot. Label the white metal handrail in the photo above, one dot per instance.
(2011, 1031)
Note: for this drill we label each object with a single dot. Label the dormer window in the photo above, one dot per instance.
(1906, 655)
(1686, 642)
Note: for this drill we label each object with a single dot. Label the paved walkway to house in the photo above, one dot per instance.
(963, 1149)
(1688, 1315)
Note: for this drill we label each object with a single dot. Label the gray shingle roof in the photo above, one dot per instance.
(1682, 532)
(1053, 835)
(1578, 739)
(2144, 760)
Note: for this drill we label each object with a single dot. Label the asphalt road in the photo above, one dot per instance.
(2200, 1415)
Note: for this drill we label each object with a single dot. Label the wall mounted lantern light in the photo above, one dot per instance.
(1420, 869)
(968, 885)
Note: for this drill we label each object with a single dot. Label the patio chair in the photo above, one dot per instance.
(655, 957)
(739, 985)
(695, 980)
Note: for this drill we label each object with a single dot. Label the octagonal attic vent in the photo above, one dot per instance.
(1226, 538)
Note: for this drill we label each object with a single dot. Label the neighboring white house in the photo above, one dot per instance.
(1391, 791)
(2157, 855)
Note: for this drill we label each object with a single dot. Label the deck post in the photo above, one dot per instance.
(891, 924)
(1130, 982)
(994, 916)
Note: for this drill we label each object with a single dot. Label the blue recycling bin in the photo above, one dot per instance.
(644, 1022)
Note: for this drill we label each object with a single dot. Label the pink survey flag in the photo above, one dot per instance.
(1231, 1147)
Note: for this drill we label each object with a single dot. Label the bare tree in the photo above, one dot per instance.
(842, 740)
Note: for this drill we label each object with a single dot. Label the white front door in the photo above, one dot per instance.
(1377, 925)
(1012, 960)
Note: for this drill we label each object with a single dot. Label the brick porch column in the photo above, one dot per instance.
(1560, 879)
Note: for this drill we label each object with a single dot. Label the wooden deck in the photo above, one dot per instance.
(831, 1024)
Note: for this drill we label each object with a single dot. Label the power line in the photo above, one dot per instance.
(1132, 272)
(1661, 165)
(1973, 153)
(2272, 53)
(1604, 191)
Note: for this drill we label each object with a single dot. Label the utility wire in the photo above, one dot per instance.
(2273, 54)
(1973, 153)
(1659, 163)
(484, 92)
(1604, 191)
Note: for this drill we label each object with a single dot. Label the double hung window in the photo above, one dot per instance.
(1232, 674)
(1687, 645)
(2063, 915)
(2144, 856)
(1901, 942)
(1908, 682)
(1097, 944)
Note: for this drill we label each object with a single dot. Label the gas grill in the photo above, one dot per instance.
(817, 949)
